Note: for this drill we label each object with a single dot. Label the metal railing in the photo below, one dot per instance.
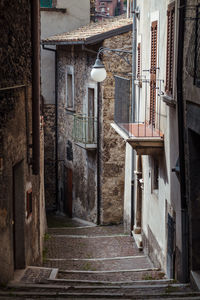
(139, 125)
(85, 129)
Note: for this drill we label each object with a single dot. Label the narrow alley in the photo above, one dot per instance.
(82, 260)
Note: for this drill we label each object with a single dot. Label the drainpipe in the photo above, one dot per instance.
(56, 121)
(35, 41)
(133, 107)
(98, 158)
(181, 131)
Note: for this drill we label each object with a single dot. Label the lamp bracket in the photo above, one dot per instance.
(124, 54)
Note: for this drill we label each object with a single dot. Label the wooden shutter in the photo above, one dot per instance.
(170, 49)
(154, 34)
(46, 3)
(139, 61)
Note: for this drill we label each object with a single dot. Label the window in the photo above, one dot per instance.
(70, 88)
(28, 203)
(170, 49)
(103, 9)
(155, 174)
(46, 3)
(154, 33)
(91, 114)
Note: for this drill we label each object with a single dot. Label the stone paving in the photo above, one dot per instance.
(96, 253)
(92, 262)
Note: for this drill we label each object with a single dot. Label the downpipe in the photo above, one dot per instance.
(35, 42)
(181, 132)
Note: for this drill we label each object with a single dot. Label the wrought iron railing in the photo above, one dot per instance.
(135, 118)
(85, 129)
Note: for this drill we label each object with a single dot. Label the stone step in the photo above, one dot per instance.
(96, 283)
(101, 264)
(135, 292)
(112, 276)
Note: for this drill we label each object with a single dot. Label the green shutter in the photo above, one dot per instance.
(45, 3)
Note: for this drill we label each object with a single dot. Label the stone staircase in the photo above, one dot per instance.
(92, 262)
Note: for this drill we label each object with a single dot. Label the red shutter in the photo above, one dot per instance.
(139, 61)
(154, 33)
(170, 49)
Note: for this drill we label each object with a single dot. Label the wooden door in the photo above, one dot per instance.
(68, 191)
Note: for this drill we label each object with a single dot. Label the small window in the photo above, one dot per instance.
(103, 9)
(46, 3)
(70, 88)
(155, 174)
(29, 203)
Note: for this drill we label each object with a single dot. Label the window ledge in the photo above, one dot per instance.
(169, 101)
(53, 9)
(70, 110)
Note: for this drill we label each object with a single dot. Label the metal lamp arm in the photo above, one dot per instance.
(120, 52)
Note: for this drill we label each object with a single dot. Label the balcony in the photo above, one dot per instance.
(85, 131)
(144, 132)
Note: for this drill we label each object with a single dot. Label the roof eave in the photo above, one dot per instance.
(93, 39)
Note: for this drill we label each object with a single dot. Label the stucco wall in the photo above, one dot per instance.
(54, 22)
(157, 204)
(15, 136)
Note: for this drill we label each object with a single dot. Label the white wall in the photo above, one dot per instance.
(154, 206)
(55, 22)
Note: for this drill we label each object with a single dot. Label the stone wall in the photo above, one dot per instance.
(112, 145)
(21, 234)
(112, 148)
(81, 162)
(50, 156)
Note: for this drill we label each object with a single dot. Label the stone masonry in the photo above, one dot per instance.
(21, 227)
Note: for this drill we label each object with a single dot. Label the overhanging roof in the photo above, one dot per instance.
(92, 33)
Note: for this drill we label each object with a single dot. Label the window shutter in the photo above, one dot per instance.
(139, 61)
(46, 3)
(154, 34)
(170, 49)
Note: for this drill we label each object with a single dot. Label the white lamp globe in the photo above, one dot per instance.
(98, 72)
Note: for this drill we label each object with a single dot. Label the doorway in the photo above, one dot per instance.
(18, 221)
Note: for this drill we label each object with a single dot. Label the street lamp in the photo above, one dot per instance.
(98, 72)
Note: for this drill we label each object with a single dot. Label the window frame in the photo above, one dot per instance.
(69, 71)
(170, 50)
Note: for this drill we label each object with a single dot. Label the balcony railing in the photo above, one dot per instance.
(85, 131)
(142, 129)
(140, 125)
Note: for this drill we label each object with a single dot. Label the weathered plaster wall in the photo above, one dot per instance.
(112, 145)
(15, 136)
